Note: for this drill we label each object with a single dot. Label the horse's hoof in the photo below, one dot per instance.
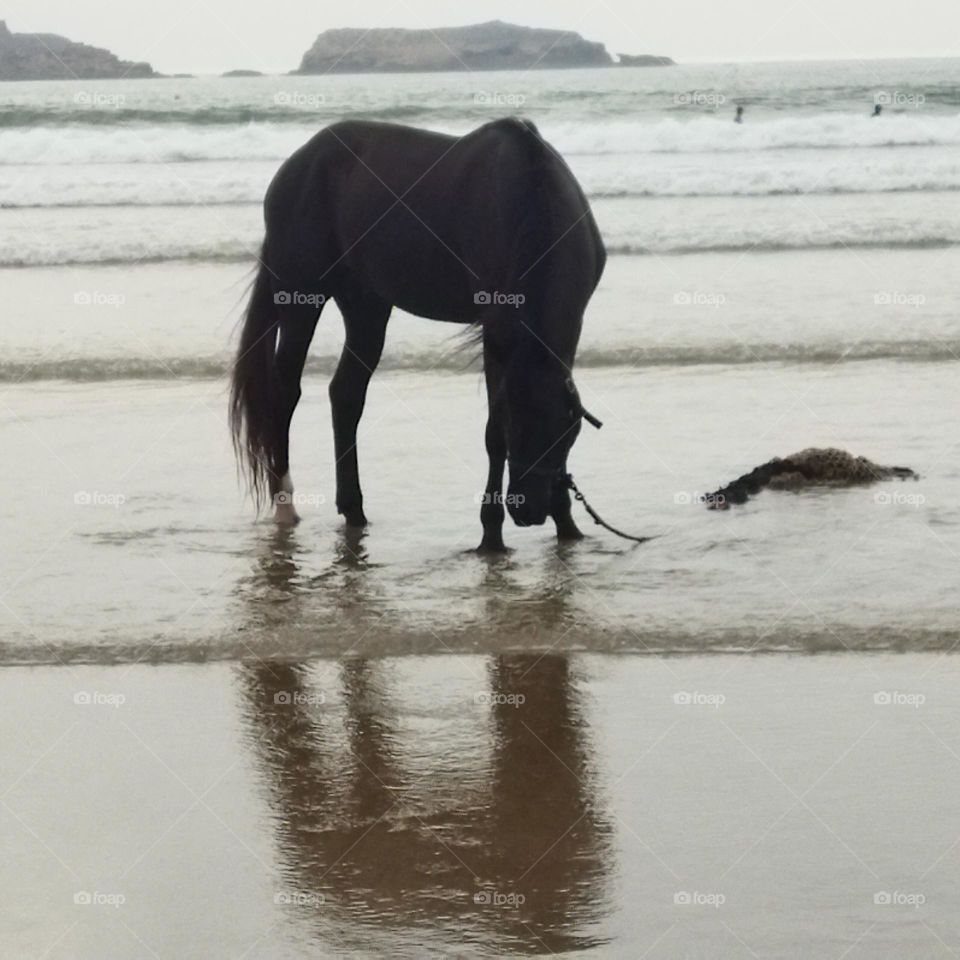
(492, 548)
(286, 515)
(355, 521)
(568, 533)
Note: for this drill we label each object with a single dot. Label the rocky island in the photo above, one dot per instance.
(47, 56)
(484, 46)
(643, 60)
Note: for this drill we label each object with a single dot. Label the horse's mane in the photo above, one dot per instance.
(530, 237)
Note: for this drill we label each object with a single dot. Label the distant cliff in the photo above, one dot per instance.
(46, 56)
(484, 46)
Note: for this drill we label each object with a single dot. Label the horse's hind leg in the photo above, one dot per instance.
(365, 319)
(296, 327)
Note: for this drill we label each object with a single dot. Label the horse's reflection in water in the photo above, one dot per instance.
(509, 853)
(497, 842)
(281, 595)
(524, 613)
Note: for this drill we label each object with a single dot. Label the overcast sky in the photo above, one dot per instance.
(202, 36)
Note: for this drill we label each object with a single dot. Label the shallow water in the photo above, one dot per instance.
(147, 549)
(169, 321)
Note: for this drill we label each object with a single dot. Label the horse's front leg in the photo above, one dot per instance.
(560, 508)
(365, 319)
(491, 509)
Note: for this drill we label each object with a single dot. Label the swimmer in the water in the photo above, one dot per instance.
(739, 117)
(877, 110)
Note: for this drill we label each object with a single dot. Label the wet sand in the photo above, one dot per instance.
(773, 806)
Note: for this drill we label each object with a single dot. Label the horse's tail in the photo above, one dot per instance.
(254, 389)
(749, 484)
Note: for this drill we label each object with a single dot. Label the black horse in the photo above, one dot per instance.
(490, 229)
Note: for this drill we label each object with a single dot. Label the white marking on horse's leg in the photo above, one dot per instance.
(286, 512)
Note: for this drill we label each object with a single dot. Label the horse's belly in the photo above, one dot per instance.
(425, 282)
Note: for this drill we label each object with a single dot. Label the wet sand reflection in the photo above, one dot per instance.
(475, 821)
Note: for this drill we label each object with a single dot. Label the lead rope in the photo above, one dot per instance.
(577, 495)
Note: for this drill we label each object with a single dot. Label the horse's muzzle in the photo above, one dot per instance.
(530, 494)
(527, 514)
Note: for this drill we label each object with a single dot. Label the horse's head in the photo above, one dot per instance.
(544, 416)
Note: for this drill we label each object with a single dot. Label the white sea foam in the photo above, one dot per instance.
(657, 225)
(716, 135)
(608, 176)
(173, 143)
(174, 164)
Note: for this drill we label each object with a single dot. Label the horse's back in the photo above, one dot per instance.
(429, 221)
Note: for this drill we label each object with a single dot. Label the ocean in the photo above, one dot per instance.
(709, 744)
(783, 283)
